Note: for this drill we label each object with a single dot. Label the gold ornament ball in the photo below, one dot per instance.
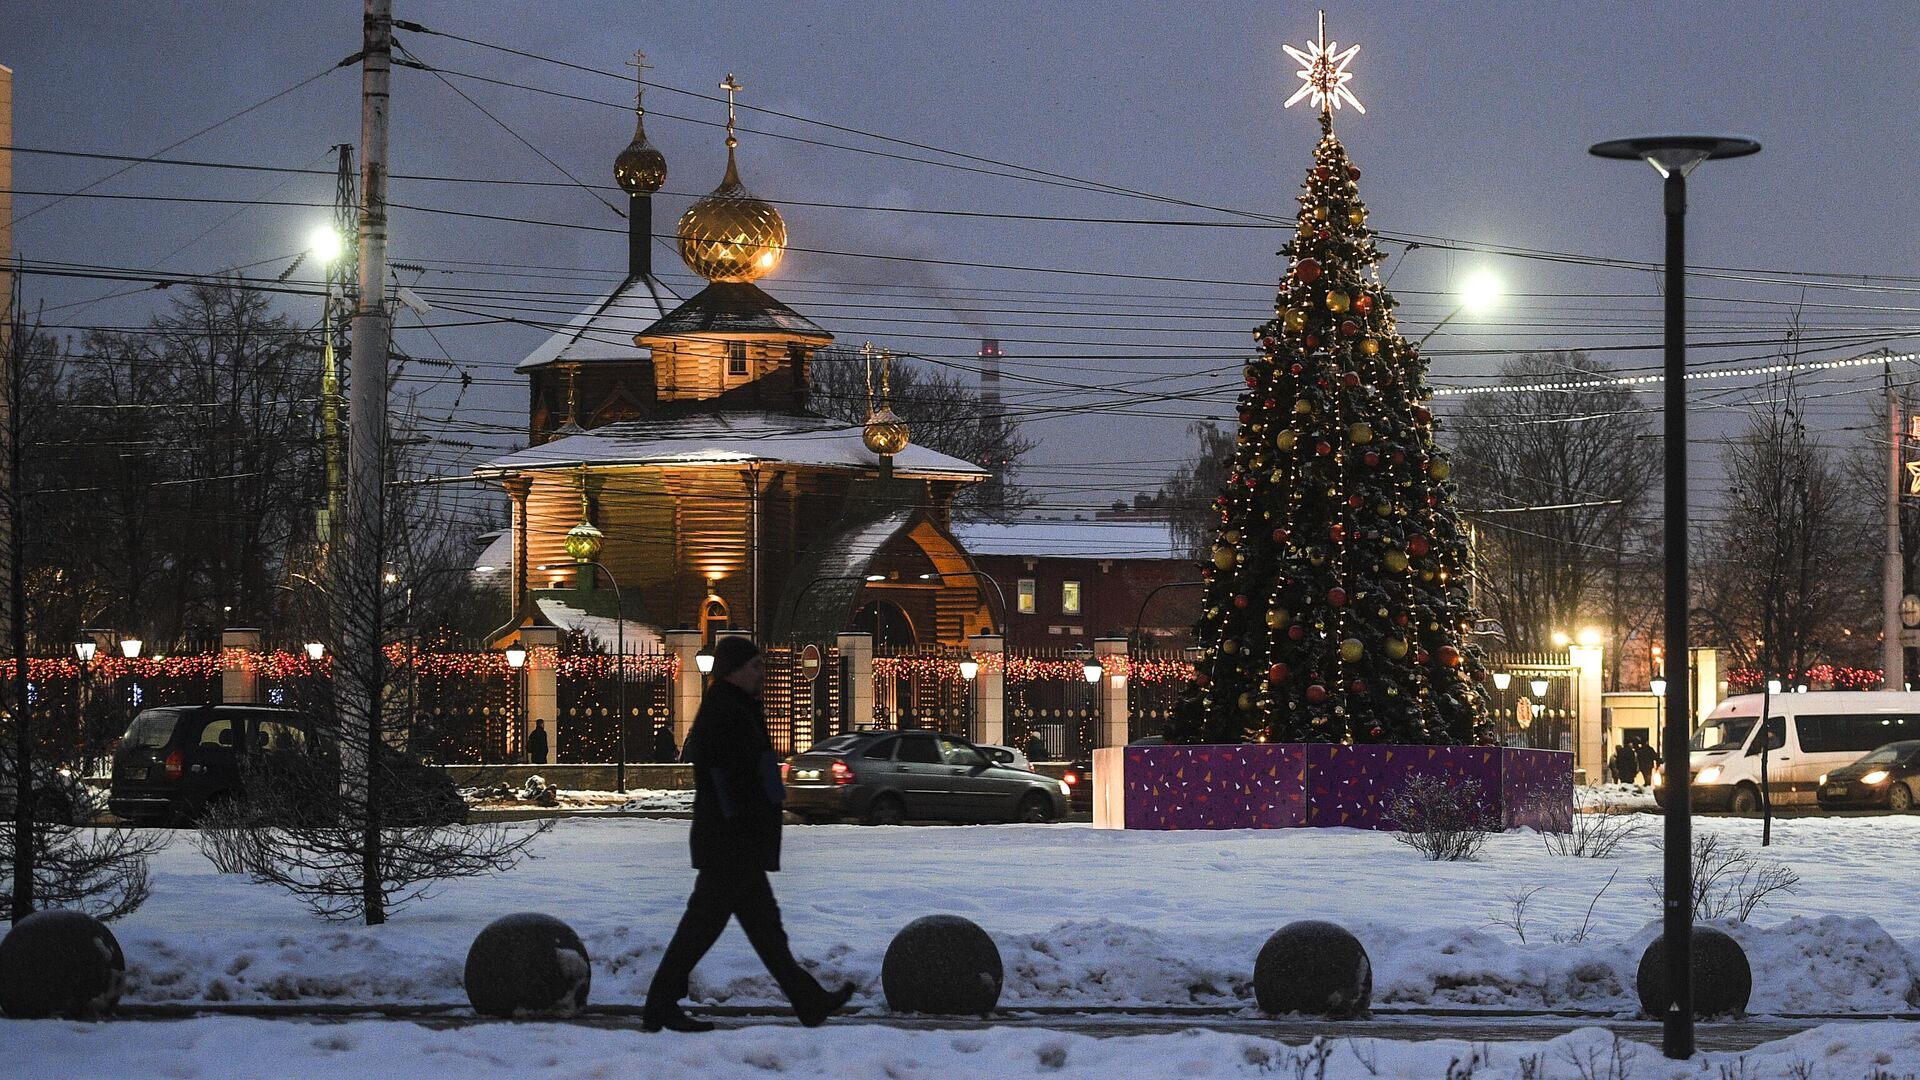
(1396, 647)
(1303, 406)
(1223, 557)
(1229, 646)
(1370, 346)
(1338, 301)
(1284, 440)
(1357, 215)
(1277, 617)
(1245, 702)
(1440, 470)
(1351, 650)
(1360, 434)
(1233, 536)
(1396, 561)
(1319, 213)
(1276, 476)
(1295, 319)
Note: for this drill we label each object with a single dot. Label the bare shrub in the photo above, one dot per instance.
(1730, 882)
(1595, 835)
(1442, 820)
(1579, 937)
(1514, 917)
(99, 870)
(298, 830)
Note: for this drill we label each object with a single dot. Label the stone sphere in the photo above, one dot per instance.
(1313, 967)
(1722, 978)
(942, 964)
(60, 963)
(527, 964)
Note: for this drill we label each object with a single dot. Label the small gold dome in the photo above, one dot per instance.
(730, 235)
(885, 434)
(641, 168)
(584, 542)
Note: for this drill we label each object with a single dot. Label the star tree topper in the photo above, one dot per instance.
(1325, 74)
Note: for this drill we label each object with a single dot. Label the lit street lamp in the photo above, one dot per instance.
(970, 670)
(516, 662)
(703, 660)
(1477, 294)
(1674, 157)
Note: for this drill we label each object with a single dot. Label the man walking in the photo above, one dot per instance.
(736, 843)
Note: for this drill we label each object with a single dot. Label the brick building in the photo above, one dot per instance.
(1067, 581)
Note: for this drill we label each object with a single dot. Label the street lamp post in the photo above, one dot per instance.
(1140, 617)
(83, 651)
(129, 650)
(516, 663)
(620, 647)
(970, 670)
(1674, 157)
(1091, 670)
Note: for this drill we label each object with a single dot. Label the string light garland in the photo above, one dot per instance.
(1874, 360)
(1819, 676)
(1019, 669)
(282, 665)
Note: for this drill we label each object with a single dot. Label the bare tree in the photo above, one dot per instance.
(943, 413)
(1188, 496)
(1555, 481)
(1788, 569)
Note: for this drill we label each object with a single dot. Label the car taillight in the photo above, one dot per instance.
(785, 768)
(1070, 778)
(842, 772)
(176, 765)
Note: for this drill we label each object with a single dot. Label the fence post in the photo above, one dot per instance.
(990, 689)
(1589, 738)
(543, 684)
(239, 682)
(856, 699)
(685, 699)
(1112, 692)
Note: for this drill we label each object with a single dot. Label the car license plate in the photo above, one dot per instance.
(1836, 789)
(135, 774)
(806, 774)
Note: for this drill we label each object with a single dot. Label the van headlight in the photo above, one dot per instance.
(1877, 776)
(1707, 775)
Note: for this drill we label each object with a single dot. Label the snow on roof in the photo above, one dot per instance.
(605, 631)
(605, 330)
(492, 568)
(1072, 539)
(727, 437)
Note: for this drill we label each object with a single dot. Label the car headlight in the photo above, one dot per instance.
(1064, 789)
(1708, 775)
(1823, 778)
(1877, 776)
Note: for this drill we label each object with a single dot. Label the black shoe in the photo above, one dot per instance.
(829, 1003)
(672, 1018)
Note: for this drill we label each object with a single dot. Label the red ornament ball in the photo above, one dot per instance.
(1240, 601)
(1277, 674)
(1372, 458)
(1349, 328)
(1297, 632)
(1355, 501)
(1399, 457)
(1337, 596)
(1323, 448)
(1416, 545)
(1358, 686)
(1353, 172)
(1312, 341)
(1337, 532)
(1280, 535)
(1375, 732)
(1296, 368)
(1321, 172)
(1420, 656)
(1449, 656)
(1363, 303)
(1324, 234)
(1433, 500)
(1316, 693)
(1307, 270)
(1423, 414)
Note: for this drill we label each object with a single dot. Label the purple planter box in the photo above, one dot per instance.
(1320, 785)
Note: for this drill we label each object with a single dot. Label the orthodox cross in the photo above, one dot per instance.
(732, 86)
(640, 68)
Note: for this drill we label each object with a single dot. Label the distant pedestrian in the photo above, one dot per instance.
(735, 841)
(1624, 763)
(537, 743)
(1645, 760)
(664, 750)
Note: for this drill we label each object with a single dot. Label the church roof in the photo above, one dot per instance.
(726, 437)
(604, 332)
(736, 307)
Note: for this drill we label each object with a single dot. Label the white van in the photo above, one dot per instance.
(1809, 735)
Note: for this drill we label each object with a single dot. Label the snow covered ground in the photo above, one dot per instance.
(1082, 916)
(215, 1049)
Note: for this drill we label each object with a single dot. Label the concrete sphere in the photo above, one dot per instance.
(60, 963)
(527, 964)
(1722, 978)
(942, 964)
(1313, 967)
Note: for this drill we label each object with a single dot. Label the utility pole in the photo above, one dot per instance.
(358, 588)
(339, 290)
(1893, 585)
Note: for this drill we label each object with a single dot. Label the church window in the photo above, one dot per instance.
(736, 358)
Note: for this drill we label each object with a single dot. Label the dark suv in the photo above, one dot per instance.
(886, 777)
(174, 762)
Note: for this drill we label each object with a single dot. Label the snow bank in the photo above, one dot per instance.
(219, 1049)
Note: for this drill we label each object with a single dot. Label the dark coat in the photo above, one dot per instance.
(537, 745)
(736, 783)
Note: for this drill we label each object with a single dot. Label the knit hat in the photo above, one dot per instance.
(730, 654)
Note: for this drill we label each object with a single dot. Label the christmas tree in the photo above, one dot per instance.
(1336, 607)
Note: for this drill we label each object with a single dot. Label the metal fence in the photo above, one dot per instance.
(922, 688)
(1537, 708)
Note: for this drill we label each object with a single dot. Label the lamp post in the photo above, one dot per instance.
(1140, 617)
(129, 650)
(703, 660)
(516, 663)
(83, 651)
(1091, 670)
(588, 565)
(1674, 157)
(970, 670)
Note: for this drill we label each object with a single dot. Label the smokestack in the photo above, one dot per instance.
(990, 375)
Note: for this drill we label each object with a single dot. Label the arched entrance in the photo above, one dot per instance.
(893, 635)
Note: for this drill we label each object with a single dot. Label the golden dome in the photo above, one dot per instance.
(584, 542)
(641, 168)
(886, 433)
(730, 235)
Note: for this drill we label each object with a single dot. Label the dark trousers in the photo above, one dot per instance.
(742, 894)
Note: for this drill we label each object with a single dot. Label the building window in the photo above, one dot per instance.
(736, 358)
(1024, 603)
(1069, 598)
